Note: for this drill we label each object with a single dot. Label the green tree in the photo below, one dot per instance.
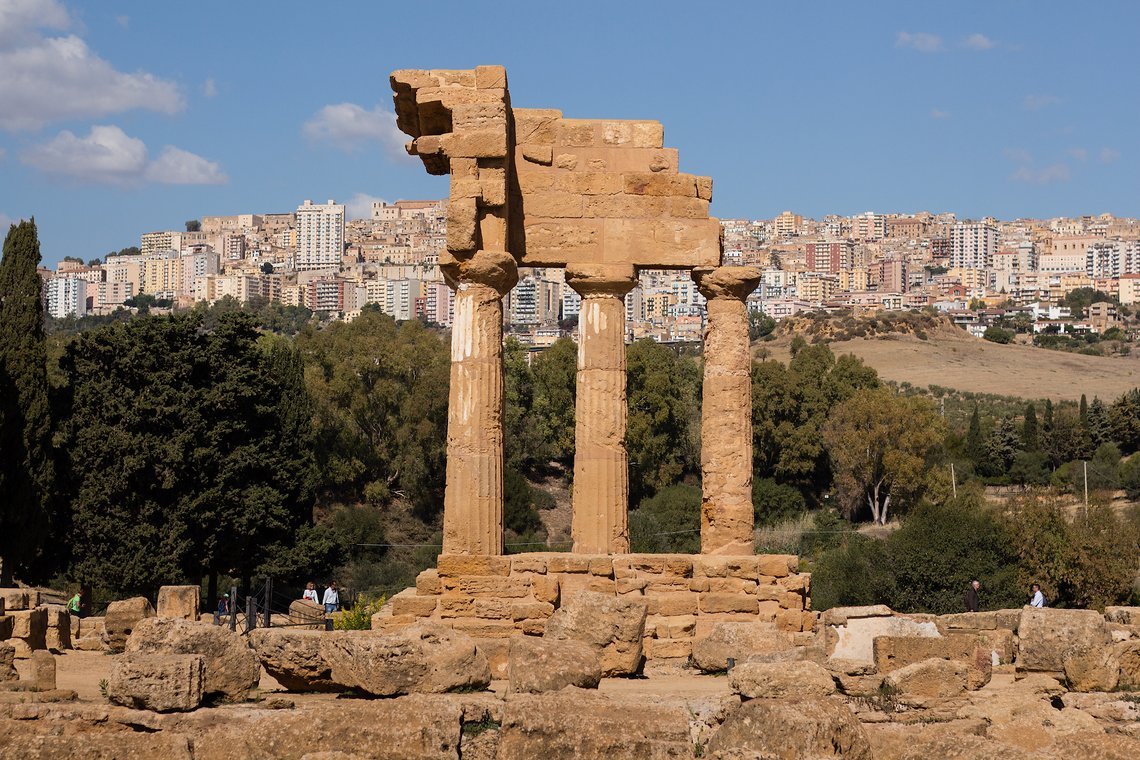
(882, 446)
(773, 502)
(27, 472)
(975, 444)
(1105, 558)
(664, 393)
(555, 375)
(759, 324)
(668, 521)
(1124, 416)
(1001, 447)
(1099, 423)
(1047, 419)
(193, 225)
(1030, 437)
(995, 334)
(857, 572)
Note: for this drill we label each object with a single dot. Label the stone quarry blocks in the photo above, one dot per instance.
(1046, 633)
(493, 609)
(232, 668)
(529, 563)
(546, 589)
(726, 602)
(427, 583)
(1091, 667)
(19, 598)
(179, 602)
(456, 605)
(419, 606)
(659, 183)
(59, 624)
(541, 665)
(667, 649)
(484, 628)
(569, 563)
(30, 626)
(780, 680)
(525, 610)
(122, 617)
(157, 682)
(8, 662)
(459, 565)
(613, 625)
(934, 678)
(461, 224)
(43, 670)
(536, 125)
(303, 612)
(492, 586)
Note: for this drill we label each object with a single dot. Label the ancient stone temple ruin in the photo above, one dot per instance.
(603, 199)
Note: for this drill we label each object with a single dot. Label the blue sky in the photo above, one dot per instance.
(120, 117)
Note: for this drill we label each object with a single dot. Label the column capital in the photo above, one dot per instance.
(601, 279)
(495, 269)
(726, 282)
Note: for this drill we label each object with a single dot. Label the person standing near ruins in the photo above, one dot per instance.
(972, 599)
(1037, 599)
(332, 599)
(310, 593)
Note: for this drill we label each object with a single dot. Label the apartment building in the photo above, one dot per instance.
(830, 256)
(66, 297)
(973, 245)
(320, 235)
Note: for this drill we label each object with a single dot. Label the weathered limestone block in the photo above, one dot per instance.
(854, 638)
(293, 657)
(303, 612)
(1122, 615)
(714, 602)
(29, 626)
(7, 662)
(232, 668)
(411, 604)
(1091, 667)
(667, 649)
(575, 724)
(540, 665)
(122, 617)
(894, 652)
(1127, 656)
(43, 670)
(157, 682)
(1044, 635)
(427, 583)
(601, 498)
(782, 728)
(473, 498)
(19, 598)
(6, 626)
(612, 625)
(458, 565)
(777, 565)
(980, 621)
(497, 651)
(94, 635)
(738, 641)
(179, 602)
(672, 603)
(934, 678)
(424, 658)
(780, 680)
(58, 633)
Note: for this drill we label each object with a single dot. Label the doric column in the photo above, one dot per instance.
(473, 499)
(726, 409)
(601, 480)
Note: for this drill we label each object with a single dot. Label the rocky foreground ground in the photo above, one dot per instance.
(865, 683)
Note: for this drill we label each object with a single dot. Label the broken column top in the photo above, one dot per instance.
(580, 191)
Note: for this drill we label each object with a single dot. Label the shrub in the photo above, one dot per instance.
(669, 521)
(856, 572)
(774, 502)
(359, 616)
(996, 334)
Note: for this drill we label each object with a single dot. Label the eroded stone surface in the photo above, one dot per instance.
(540, 665)
(738, 641)
(121, 619)
(158, 682)
(1046, 633)
(232, 668)
(779, 728)
(614, 626)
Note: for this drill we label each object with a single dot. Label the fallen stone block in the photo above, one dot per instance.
(19, 598)
(1127, 655)
(1122, 615)
(303, 612)
(1091, 668)
(30, 626)
(934, 678)
(43, 670)
(157, 682)
(737, 641)
(122, 617)
(991, 620)
(894, 652)
(780, 680)
(232, 668)
(421, 658)
(540, 665)
(179, 602)
(785, 728)
(293, 657)
(613, 625)
(854, 638)
(1045, 633)
(8, 663)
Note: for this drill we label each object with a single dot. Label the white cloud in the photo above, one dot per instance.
(1080, 154)
(1037, 102)
(108, 155)
(359, 206)
(1018, 155)
(19, 19)
(1044, 176)
(51, 78)
(175, 166)
(123, 21)
(1109, 155)
(937, 113)
(923, 42)
(979, 41)
(209, 89)
(350, 127)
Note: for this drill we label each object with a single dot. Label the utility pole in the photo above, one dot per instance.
(1086, 468)
(953, 480)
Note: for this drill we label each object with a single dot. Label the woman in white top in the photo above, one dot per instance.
(311, 593)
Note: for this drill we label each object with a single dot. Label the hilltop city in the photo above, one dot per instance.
(976, 272)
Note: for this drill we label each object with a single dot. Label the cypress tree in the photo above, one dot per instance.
(1030, 439)
(974, 444)
(25, 419)
(1047, 422)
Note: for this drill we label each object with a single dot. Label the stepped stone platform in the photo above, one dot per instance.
(500, 596)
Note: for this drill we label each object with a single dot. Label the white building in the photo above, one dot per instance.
(320, 235)
(972, 246)
(66, 297)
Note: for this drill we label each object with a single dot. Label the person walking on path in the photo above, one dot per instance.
(311, 593)
(332, 599)
(1038, 599)
(73, 605)
(972, 600)
(223, 610)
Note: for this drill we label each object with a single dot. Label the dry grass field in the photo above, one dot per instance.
(972, 364)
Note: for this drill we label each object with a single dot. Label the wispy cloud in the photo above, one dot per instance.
(1027, 171)
(209, 88)
(1037, 102)
(937, 113)
(123, 21)
(1080, 154)
(923, 42)
(108, 155)
(1109, 155)
(979, 41)
(359, 206)
(350, 127)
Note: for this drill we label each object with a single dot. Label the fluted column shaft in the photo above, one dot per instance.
(726, 423)
(600, 523)
(473, 497)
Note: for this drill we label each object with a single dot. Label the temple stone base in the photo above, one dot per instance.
(496, 597)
